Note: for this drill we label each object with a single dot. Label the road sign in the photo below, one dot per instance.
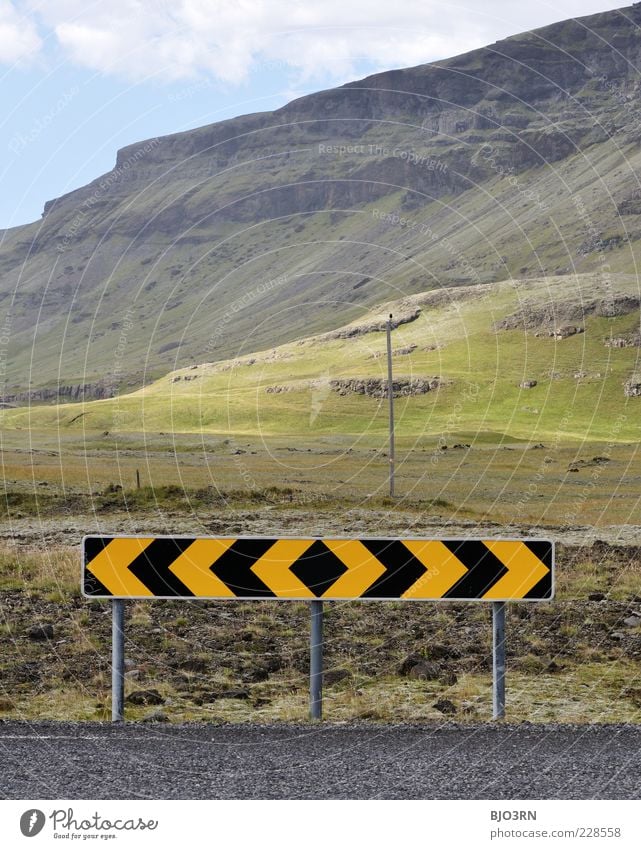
(308, 569)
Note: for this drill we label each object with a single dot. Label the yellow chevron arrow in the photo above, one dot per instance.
(525, 569)
(273, 568)
(192, 567)
(362, 569)
(444, 569)
(111, 566)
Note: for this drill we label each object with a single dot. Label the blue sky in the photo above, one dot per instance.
(78, 80)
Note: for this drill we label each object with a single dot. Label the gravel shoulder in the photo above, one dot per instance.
(329, 761)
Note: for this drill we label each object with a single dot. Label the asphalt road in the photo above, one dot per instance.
(355, 761)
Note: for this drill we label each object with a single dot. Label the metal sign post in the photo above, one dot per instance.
(498, 660)
(118, 660)
(316, 661)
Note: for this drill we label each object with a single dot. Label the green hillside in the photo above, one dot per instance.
(481, 342)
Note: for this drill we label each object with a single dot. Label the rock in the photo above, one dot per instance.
(236, 693)
(425, 672)
(375, 387)
(441, 651)
(445, 706)
(449, 677)
(145, 697)
(566, 331)
(410, 661)
(156, 716)
(255, 674)
(41, 632)
(632, 621)
(632, 387)
(527, 384)
(333, 676)
(596, 596)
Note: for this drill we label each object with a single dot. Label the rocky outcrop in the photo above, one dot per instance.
(64, 392)
(632, 386)
(562, 319)
(375, 326)
(377, 388)
(632, 341)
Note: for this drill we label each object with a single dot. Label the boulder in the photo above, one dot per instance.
(445, 706)
(41, 632)
(145, 697)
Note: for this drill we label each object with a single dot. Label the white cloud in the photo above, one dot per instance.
(19, 39)
(323, 40)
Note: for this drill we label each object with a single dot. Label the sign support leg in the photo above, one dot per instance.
(316, 662)
(118, 660)
(498, 660)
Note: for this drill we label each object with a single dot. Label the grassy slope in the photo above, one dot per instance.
(482, 367)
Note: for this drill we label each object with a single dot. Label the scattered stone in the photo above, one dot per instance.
(236, 693)
(566, 331)
(145, 697)
(449, 677)
(410, 661)
(527, 384)
(255, 674)
(278, 389)
(632, 693)
(425, 672)
(579, 374)
(441, 651)
(334, 676)
(156, 716)
(632, 387)
(397, 352)
(41, 632)
(632, 621)
(445, 706)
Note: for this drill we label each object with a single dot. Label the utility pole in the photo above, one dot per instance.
(390, 394)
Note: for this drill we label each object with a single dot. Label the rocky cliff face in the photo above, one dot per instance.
(515, 159)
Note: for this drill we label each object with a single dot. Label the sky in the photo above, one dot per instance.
(81, 79)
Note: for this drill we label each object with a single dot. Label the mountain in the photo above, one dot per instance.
(517, 160)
